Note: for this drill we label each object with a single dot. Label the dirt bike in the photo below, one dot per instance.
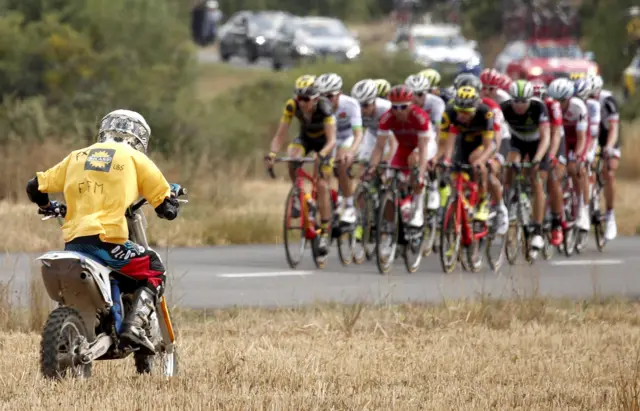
(93, 299)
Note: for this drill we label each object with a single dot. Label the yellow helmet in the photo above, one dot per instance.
(305, 86)
(433, 76)
(466, 98)
(383, 87)
(576, 76)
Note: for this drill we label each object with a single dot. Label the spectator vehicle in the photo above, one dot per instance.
(250, 34)
(631, 77)
(312, 38)
(545, 59)
(440, 46)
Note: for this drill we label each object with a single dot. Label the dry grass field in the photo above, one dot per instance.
(526, 354)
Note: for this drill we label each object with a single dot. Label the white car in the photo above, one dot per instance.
(435, 45)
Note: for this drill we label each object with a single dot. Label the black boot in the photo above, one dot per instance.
(136, 323)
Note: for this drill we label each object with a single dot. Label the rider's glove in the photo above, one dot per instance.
(608, 151)
(168, 208)
(54, 208)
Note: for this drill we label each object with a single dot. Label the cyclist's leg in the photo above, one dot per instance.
(475, 154)
(515, 155)
(539, 198)
(344, 181)
(297, 149)
(554, 189)
(323, 186)
(610, 188)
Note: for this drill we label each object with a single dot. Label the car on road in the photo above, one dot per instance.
(631, 77)
(545, 59)
(313, 38)
(250, 34)
(441, 46)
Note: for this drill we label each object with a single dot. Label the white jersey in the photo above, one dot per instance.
(371, 129)
(608, 110)
(593, 110)
(575, 118)
(348, 117)
(434, 106)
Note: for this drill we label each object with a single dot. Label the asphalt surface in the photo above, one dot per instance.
(260, 276)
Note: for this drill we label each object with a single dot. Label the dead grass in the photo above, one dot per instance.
(527, 354)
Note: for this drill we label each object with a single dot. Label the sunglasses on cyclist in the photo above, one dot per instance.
(490, 88)
(305, 98)
(399, 107)
(419, 94)
(331, 95)
(366, 104)
(464, 109)
(520, 100)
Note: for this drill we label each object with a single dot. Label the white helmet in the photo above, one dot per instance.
(583, 87)
(596, 84)
(521, 89)
(365, 91)
(125, 126)
(418, 83)
(329, 83)
(560, 89)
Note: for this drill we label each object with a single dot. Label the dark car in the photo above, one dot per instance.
(249, 34)
(311, 38)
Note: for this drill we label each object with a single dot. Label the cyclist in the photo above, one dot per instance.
(608, 140)
(372, 108)
(349, 136)
(575, 123)
(383, 87)
(492, 96)
(528, 120)
(493, 84)
(412, 127)
(472, 121)
(99, 183)
(557, 160)
(434, 79)
(432, 104)
(317, 134)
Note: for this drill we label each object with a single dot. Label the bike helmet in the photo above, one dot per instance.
(433, 76)
(418, 83)
(466, 98)
(596, 84)
(447, 94)
(400, 94)
(305, 86)
(472, 66)
(125, 126)
(539, 88)
(364, 91)
(561, 89)
(582, 88)
(521, 90)
(467, 79)
(383, 87)
(329, 83)
(505, 83)
(491, 78)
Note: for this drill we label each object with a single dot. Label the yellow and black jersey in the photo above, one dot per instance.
(310, 127)
(479, 128)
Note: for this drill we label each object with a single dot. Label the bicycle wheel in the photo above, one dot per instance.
(430, 228)
(293, 222)
(387, 232)
(496, 247)
(364, 232)
(597, 219)
(514, 236)
(473, 255)
(412, 251)
(569, 228)
(450, 238)
(547, 250)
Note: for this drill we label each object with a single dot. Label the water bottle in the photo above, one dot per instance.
(406, 208)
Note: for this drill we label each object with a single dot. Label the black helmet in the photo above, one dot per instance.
(467, 79)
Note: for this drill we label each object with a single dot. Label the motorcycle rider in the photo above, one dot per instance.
(99, 183)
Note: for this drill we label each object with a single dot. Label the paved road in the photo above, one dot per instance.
(259, 275)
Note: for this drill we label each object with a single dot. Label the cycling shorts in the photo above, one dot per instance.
(368, 144)
(308, 145)
(587, 150)
(528, 150)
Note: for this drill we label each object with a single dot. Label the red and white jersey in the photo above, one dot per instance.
(407, 133)
(500, 124)
(554, 110)
(593, 108)
(575, 118)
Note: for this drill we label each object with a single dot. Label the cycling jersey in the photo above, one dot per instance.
(99, 183)
(407, 133)
(434, 106)
(526, 126)
(371, 129)
(501, 96)
(575, 118)
(593, 108)
(555, 112)
(348, 118)
(470, 135)
(312, 136)
(609, 114)
(314, 126)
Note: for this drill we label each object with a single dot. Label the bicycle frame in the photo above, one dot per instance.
(462, 183)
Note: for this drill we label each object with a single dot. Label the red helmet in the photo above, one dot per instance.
(505, 83)
(400, 94)
(490, 78)
(539, 88)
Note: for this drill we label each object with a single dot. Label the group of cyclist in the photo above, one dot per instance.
(485, 119)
